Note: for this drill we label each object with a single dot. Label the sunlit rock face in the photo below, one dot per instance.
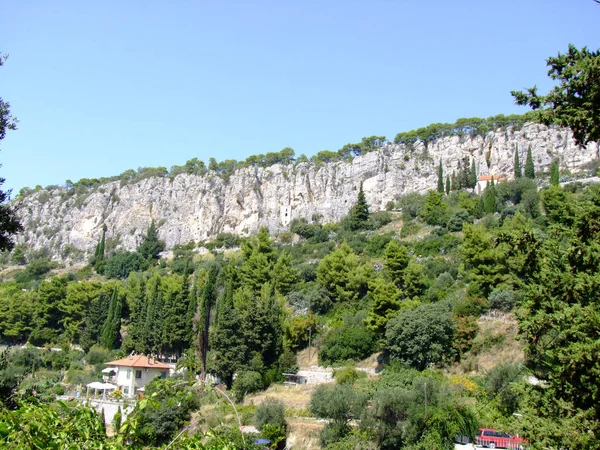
(194, 208)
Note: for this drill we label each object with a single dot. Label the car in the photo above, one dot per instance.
(486, 437)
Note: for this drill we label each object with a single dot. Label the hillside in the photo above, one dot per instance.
(68, 221)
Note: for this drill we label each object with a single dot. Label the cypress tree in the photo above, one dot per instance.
(112, 325)
(206, 304)
(473, 175)
(453, 182)
(554, 173)
(529, 167)
(489, 198)
(440, 182)
(518, 171)
(448, 187)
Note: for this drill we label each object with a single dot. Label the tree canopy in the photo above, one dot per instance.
(575, 101)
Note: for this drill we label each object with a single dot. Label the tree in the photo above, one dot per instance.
(338, 273)
(359, 214)
(206, 305)
(490, 205)
(448, 185)
(422, 337)
(435, 210)
(396, 261)
(560, 327)
(151, 246)
(554, 173)
(575, 101)
(386, 304)
(9, 223)
(529, 167)
(517, 168)
(472, 175)
(440, 181)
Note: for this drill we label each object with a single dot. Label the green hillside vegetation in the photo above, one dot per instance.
(409, 284)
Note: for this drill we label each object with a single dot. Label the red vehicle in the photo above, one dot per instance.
(489, 438)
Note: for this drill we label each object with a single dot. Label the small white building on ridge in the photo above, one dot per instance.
(134, 372)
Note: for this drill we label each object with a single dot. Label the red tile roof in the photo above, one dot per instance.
(139, 361)
(489, 177)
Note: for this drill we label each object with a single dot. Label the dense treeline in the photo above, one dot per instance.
(473, 126)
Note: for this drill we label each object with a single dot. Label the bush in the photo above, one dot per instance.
(354, 342)
(246, 382)
(122, 264)
(423, 336)
(348, 375)
(97, 355)
(379, 219)
(270, 412)
(502, 299)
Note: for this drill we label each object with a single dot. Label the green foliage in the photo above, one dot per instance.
(518, 173)
(348, 375)
(246, 382)
(122, 264)
(529, 166)
(151, 246)
(339, 274)
(490, 205)
(502, 299)
(575, 101)
(422, 337)
(358, 216)
(411, 204)
(500, 384)
(348, 342)
(554, 173)
(340, 404)
(396, 261)
(270, 412)
(110, 334)
(440, 181)
(434, 211)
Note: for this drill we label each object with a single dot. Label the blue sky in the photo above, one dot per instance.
(102, 87)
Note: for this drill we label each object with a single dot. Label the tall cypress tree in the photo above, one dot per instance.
(454, 182)
(206, 305)
(489, 198)
(227, 345)
(518, 171)
(440, 181)
(554, 173)
(529, 167)
(448, 186)
(473, 175)
(112, 325)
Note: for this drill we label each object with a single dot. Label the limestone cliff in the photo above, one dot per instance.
(194, 208)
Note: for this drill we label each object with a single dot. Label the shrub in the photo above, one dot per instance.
(353, 342)
(97, 355)
(502, 299)
(348, 375)
(379, 219)
(246, 382)
(422, 337)
(122, 264)
(270, 412)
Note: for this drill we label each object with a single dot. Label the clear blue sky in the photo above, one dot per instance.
(101, 87)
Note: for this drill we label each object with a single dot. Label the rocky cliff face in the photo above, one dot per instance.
(193, 208)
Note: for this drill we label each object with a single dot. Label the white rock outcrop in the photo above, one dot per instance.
(194, 208)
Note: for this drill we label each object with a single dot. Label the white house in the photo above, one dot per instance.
(484, 180)
(134, 372)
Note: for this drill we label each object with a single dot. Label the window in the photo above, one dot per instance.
(163, 374)
(126, 390)
(138, 374)
(128, 374)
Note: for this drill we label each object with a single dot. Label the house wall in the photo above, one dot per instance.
(132, 382)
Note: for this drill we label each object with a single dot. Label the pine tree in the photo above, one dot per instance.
(359, 214)
(151, 246)
(529, 167)
(518, 171)
(447, 185)
(386, 304)
(554, 173)
(440, 181)
(473, 176)
(259, 260)
(396, 261)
